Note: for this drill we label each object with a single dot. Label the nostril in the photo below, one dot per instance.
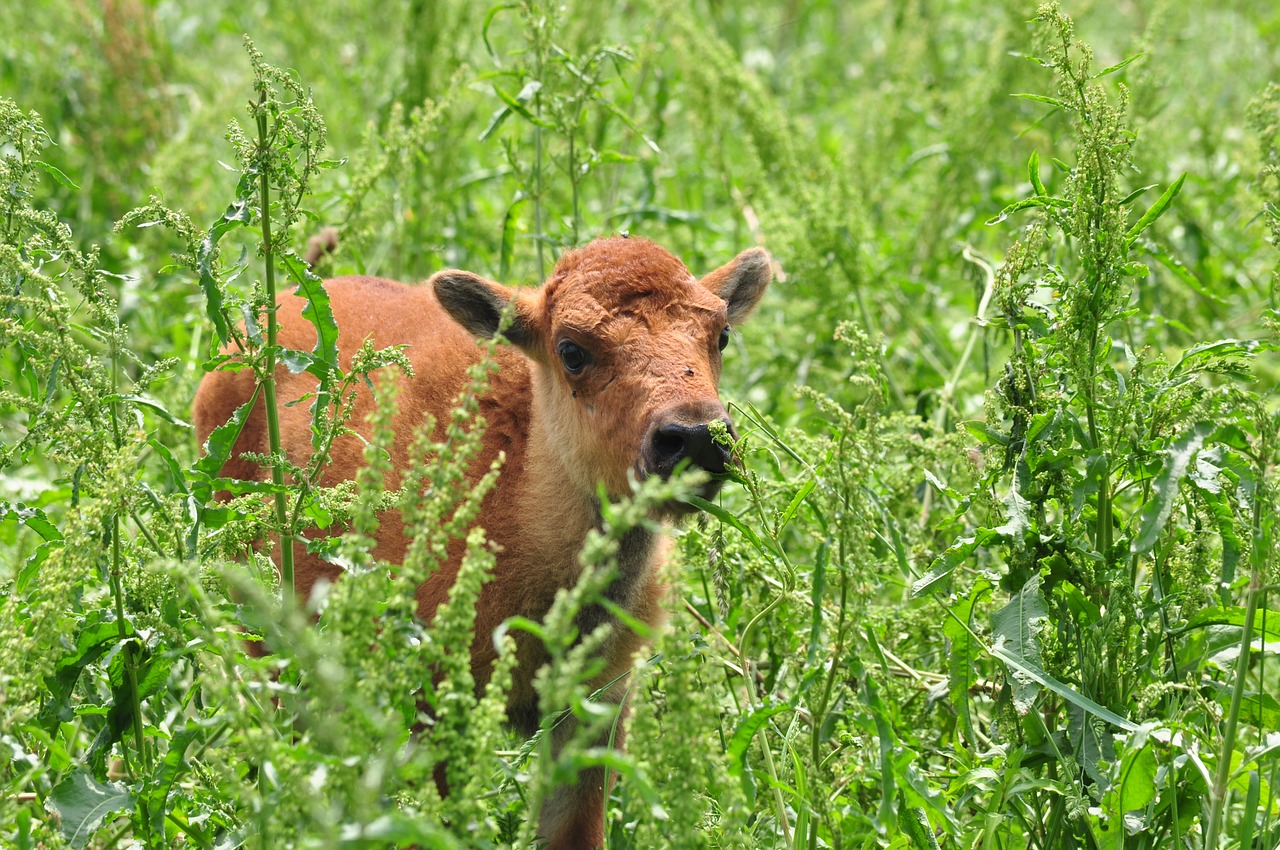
(668, 444)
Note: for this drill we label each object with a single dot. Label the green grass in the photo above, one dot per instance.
(998, 573)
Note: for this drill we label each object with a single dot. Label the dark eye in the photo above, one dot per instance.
(724, 338)
(572, 355)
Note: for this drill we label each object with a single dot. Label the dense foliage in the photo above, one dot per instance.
(997, 573)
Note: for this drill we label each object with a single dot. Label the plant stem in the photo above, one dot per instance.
(1102, 538)
(269, 366)
(117, 593)
(1218, 794)
(130, 667)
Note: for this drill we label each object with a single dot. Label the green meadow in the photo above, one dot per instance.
(1000, 568)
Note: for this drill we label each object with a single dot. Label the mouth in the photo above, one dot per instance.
(707, 492)
(704, 492)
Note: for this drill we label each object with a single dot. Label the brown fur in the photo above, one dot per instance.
(652, 331)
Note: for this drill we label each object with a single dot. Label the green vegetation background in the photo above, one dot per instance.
(999, 575)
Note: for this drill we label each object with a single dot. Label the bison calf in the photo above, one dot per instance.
(613, 372)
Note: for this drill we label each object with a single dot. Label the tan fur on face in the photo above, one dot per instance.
(652, 331)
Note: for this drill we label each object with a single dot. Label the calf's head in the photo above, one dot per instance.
(627, 350)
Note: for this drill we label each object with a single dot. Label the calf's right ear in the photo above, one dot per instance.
(478, 304)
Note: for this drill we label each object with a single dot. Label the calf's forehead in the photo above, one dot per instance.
(627, 281)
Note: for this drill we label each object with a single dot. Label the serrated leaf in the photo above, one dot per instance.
(319, 312)
(82, 804)
(238, 214)
(1155, 513)
(296, 361)
(217, 449)
(1157, 209)
(1015, 630)
(32, 518)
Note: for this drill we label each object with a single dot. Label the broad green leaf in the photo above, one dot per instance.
(1041, 98)
(238, 214)
(1224, 518)
(32, 518)
(746, 731)
(726, 517)
(82, 804)
(217, 449)
(1015, 631)
(1116, 67)
(296, 361)
(1017, 516)
(1093, 745)
(985, 433)
(1155, 513)
(56, 174)
(1137, 782)
(509, 226)
(955, 555)
(517, 103)
(1222, 348)
(155, 407)
(172, 766)
(318, 310)
(1026, 203)
(99, 634)
(965, 649)
(1137, 193)
(1157, 209)
(1266, 623)
(1033, 174)
(1034, 673)
(1084, 608)
(913, 821)
(796, 500)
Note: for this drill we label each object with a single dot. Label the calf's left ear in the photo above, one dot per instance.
(478, 304)
(741, 282)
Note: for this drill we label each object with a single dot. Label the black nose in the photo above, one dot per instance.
(674, 442)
